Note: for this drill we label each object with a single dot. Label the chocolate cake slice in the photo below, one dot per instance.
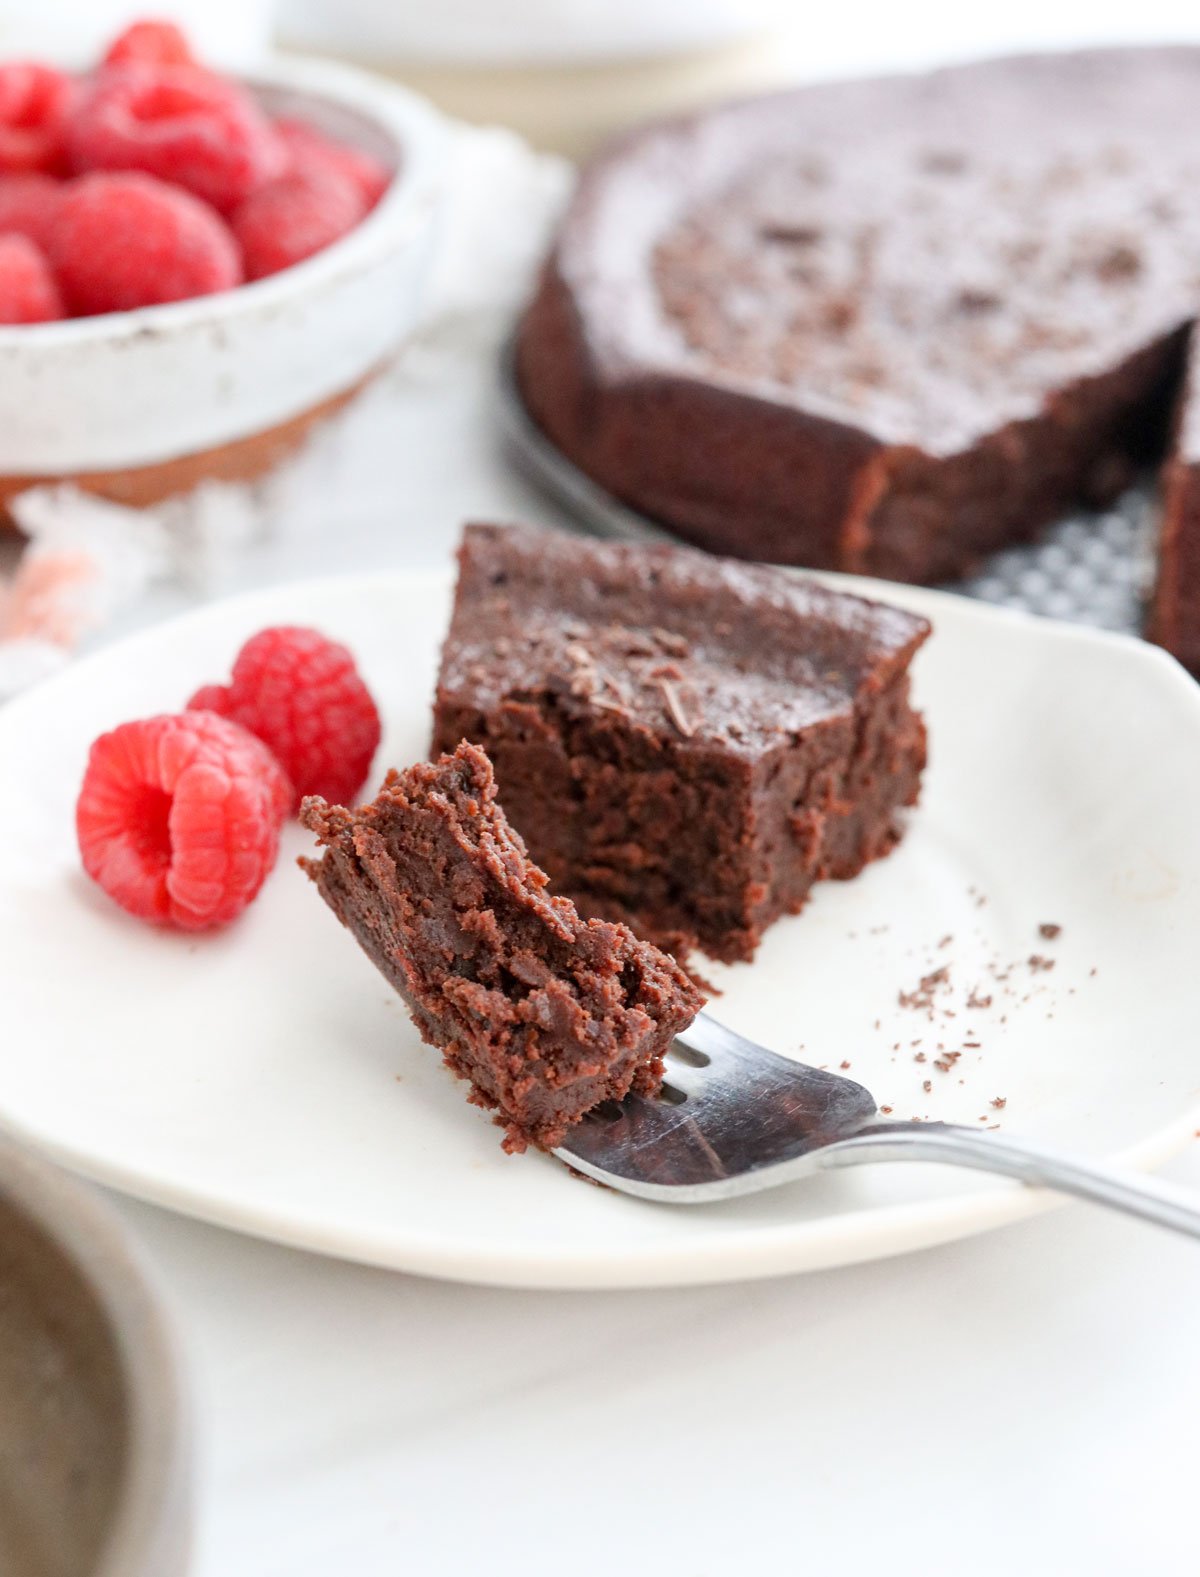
(884, 326)
(1174, 620)
(546, 1015)
(683, 741)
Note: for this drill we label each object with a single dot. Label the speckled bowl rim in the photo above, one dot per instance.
(149, 1531)
(407, 121)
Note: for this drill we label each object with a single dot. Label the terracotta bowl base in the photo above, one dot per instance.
(241, 460)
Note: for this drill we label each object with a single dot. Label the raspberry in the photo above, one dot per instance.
(302, 695)
(178, 818)
(181, 124)
(34, 105)
(28, 204)
(155, 42)
(210, 698)
(291, 218)
(123, 241)
(309, 150)
(28, 293)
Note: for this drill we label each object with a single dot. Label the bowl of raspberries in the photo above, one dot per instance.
(195, 268)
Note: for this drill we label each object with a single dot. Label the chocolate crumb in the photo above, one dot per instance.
(843, 1064)
(887, 1112)
(975, 1000)
(1049, 930)
(1040, 964)
(927, 1086)
(922, 996)
(920, 1057)
(1000, 1102)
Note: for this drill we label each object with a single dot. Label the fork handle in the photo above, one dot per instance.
(1131, 1192)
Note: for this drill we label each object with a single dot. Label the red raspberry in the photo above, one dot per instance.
(34, 105)
(28, 293)
(178, 818)
(210, 698)
(302, 695)
(123, 241)
(309, 150)
(155, 42)
(181, 124)
(28, 205)
(291, 218)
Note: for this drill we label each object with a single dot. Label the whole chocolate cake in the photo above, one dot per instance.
(883, 326)
(683, 741)
(546, 1015)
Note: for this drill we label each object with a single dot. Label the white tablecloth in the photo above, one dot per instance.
(1025, 1402)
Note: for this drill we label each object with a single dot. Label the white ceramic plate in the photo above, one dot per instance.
(267, 1079)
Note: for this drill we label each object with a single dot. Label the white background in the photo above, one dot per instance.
(1023, 1403)
(819, 36)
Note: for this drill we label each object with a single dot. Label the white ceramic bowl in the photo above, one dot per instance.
(138, 405)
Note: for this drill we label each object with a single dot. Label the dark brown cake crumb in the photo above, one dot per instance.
(1039, 964)
(1049, 931)
(921, 998)
(547, 1015)
(1000, 1102)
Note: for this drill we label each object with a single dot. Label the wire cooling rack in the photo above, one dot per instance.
(1092, 568)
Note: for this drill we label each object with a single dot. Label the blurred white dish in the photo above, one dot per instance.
(523, 31)
(267, 1079)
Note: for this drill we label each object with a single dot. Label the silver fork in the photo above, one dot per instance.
(734, 1118)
